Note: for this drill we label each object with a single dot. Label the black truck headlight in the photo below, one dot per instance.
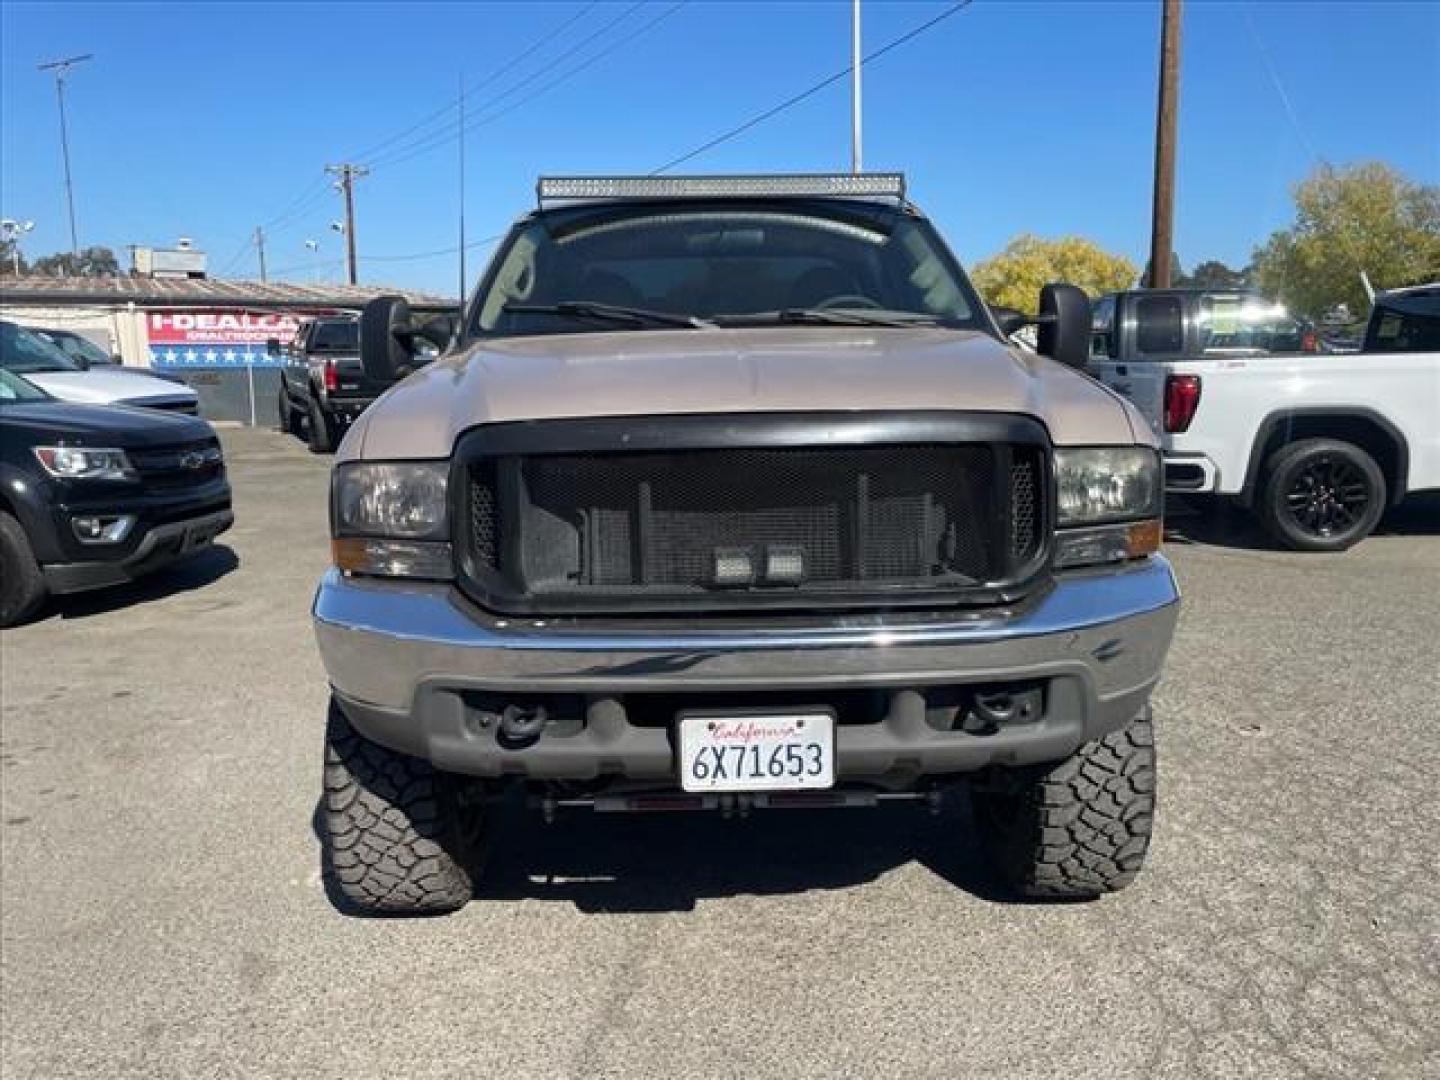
(392, 519)
(1109, 502)
(85, 463)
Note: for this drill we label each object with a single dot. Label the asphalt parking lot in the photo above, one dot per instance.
(163, 912)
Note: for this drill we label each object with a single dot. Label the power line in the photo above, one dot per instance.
(790, 102)
(449, 134)
(314, 192)
(545, 39)
(409, 256)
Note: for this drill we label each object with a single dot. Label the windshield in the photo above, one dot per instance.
(27, 353)
(336, 337)
(722, 265)
(14, 388)
(78, 348)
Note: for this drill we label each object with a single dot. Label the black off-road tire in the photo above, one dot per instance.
(401, 837)
(22, 586)
(1077, 829)
(287, 413)
(1282, 474)
(322, 429)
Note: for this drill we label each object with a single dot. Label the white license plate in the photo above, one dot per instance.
(780, 752)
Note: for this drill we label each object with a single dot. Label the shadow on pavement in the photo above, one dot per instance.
(1217, 522)
(656, 863)
(196, 572)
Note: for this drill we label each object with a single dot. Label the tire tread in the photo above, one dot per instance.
(392, 834)
(1080, 828)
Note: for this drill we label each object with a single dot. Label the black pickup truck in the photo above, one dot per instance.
(322, 386)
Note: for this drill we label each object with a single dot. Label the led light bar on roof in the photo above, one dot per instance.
(871, 185)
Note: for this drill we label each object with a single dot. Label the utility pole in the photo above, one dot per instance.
(1162, 223)
(61, 68)
(856, 157)
(260, 250)
(461, 294)
(346, 184)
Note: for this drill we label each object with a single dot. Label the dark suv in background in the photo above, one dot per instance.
(97, 495)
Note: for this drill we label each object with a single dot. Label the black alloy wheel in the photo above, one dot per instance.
(1328, 496)
(1321, 495)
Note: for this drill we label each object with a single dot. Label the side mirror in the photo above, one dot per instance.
(272, 346)
(1009, 319)
(1064, 333)
(385, 339)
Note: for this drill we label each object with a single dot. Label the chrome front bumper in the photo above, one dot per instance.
(402, 656)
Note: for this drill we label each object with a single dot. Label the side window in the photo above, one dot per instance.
(1102, 330)
(1406, 331)
(1159, 326)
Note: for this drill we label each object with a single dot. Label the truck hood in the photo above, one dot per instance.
(780, 369)
(49, 422)
(98, 386)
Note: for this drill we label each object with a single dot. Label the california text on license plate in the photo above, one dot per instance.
(780, 752)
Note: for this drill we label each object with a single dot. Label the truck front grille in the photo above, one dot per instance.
(771, 527)
(185, 465)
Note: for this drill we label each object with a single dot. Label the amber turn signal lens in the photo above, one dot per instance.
(393, 558)
(1143, 538)
(348, 554)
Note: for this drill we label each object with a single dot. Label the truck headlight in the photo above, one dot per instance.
(85, 463)
(1111, 483)
(1116, 495)
(392, 519)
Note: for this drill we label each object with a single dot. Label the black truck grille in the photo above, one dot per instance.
(166, 468)
(751, 526)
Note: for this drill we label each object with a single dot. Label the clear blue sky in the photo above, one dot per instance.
(204, 120)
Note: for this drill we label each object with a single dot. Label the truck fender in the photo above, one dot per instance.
(1286, 425)
(28, 501)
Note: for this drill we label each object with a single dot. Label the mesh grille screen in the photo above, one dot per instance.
(854, 520)
(484, 526)
(1024, 508)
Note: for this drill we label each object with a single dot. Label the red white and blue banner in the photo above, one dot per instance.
(218, 338)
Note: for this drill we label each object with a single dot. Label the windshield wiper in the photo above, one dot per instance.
(591, 309)
(834, 317)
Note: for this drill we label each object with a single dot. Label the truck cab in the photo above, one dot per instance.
(1138, 329)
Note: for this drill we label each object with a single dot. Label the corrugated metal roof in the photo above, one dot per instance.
(201, 292)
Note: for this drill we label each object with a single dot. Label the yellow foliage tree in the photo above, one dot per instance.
(1013, 277)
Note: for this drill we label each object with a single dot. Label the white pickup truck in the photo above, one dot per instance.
(1317, 446)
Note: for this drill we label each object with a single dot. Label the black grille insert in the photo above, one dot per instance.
(763, 526)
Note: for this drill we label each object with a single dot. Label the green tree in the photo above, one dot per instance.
(11, 259)
(1214, 274)
(1366, 217)
(1013, 277)
(1177, 274)
(91, 262)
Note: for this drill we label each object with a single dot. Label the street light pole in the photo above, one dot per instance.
(260, 250)
(856, 156)
(62, 70)
(346, 184)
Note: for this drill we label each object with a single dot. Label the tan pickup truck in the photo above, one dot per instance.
(730, 494)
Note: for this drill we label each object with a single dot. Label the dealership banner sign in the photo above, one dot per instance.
(218, 338)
